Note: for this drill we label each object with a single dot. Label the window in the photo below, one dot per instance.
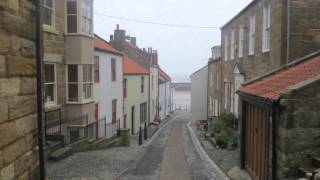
(142, 84)
(232, 48)
(266, 29)
(86, 16)
(241, 41)
(114, 111)
(96, 114)
(225, 95)
(49, 12)
(73, 83)
(87, 81)
(252, 32)
(152, 106)
(96, 69)
(231, 98)
(210, 103)
(50, 84)
(125, 88)
(72, 16)
(211, 79)
(226, 48)
(113, 69)
(152, 82)
(217, 80)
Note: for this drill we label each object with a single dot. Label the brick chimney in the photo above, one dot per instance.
(119, 34)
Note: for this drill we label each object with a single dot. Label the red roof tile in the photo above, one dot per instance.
(272, 86)
(102, 44)
(131, 67)
(164, 75)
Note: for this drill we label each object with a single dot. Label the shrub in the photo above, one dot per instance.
(226, 136)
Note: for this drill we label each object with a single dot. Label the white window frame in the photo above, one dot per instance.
(80, 83)
(210, 103)
(87, 83)
(79, 19)
(226, 47)
(232, 46)
(55, 94)
(232, 93)
(53, 15)
(241, 41)
(252, 35)
(266, 29)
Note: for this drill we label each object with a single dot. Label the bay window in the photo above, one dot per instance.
(48, 12)
(80, 16)
(50, 84)
(79, 79)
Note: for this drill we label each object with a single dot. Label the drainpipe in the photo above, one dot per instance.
(288, 31)
(39, 56)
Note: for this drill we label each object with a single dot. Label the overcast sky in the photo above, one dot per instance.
(182, 51)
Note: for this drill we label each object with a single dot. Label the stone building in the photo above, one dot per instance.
(214, 83)
(68, 68)
(263, 36)
(148, 59)
(18, 119)
(280, 127)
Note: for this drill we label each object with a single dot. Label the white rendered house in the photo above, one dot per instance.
(164, 94)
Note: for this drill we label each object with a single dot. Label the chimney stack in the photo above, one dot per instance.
(111, 37)
(119, 34)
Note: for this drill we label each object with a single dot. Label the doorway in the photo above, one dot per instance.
(132, 119)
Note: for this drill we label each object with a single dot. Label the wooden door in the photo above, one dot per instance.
(257, 133)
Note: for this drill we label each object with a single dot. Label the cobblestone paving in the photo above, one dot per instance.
(95, 165)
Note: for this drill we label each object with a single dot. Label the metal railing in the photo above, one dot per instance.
(53, 122)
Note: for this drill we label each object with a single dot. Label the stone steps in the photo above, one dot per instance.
(61, 154)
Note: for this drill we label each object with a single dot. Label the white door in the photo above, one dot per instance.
(239, 80)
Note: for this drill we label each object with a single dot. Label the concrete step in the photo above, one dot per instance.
(61, 154)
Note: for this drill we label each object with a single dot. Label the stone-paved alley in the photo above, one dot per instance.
(169, 155)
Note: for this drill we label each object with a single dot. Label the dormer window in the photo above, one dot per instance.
(80, 17)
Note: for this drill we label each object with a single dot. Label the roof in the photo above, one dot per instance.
(132, 68)
(103, 45)
(271, 86)
(164, 75)
(242, 11)
(206, 66)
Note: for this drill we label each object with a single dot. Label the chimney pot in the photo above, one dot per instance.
(118, 27)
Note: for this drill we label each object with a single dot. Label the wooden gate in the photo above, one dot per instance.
(256, 147)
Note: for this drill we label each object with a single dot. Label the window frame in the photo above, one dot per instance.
(83, 83)
(125, 81)
(142, 84)
(114, 111)
(252, 35)
(232, 46)
(79, 19)
(226, 46)
(266, 34)
(96, 69)
(113, 70)
(53, 14)
(241, 41)
(55, 89)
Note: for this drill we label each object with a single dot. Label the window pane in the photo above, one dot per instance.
(72, 7)
(72, 73)
(72, 24)
(47, 16)
(48, 3)
(73, 92)
(87, 73)
(49, 73)
(49, 93)
(87, 91)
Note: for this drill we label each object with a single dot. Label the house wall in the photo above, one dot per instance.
(154, 99)
(199, 89)
(164, 99)
(107, 90)
(298, 133)
(214, 87)
(135, 98)
(18, 120)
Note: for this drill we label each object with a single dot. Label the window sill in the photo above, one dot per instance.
(81, 103)
(52, 107)
(79, 34)
(266, 51)
(50, 29)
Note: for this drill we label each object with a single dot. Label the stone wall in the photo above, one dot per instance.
(18, 144)
(298, 137)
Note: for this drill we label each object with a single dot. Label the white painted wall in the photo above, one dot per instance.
(107, 90)
(164, 99)
(199, 81)
(135, 98)
(153, 92)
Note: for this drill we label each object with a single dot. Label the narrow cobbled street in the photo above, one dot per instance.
(169, 155)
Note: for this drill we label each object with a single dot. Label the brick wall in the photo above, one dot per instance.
(18, 146)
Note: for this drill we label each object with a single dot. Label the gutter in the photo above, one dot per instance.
(39, 57)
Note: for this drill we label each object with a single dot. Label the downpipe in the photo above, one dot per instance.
(39, 56)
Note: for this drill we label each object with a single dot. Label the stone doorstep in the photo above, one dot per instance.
(61, 154)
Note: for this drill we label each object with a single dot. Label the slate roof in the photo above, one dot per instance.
(271, 86)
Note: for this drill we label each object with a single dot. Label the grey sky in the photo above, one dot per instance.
(181, 50)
